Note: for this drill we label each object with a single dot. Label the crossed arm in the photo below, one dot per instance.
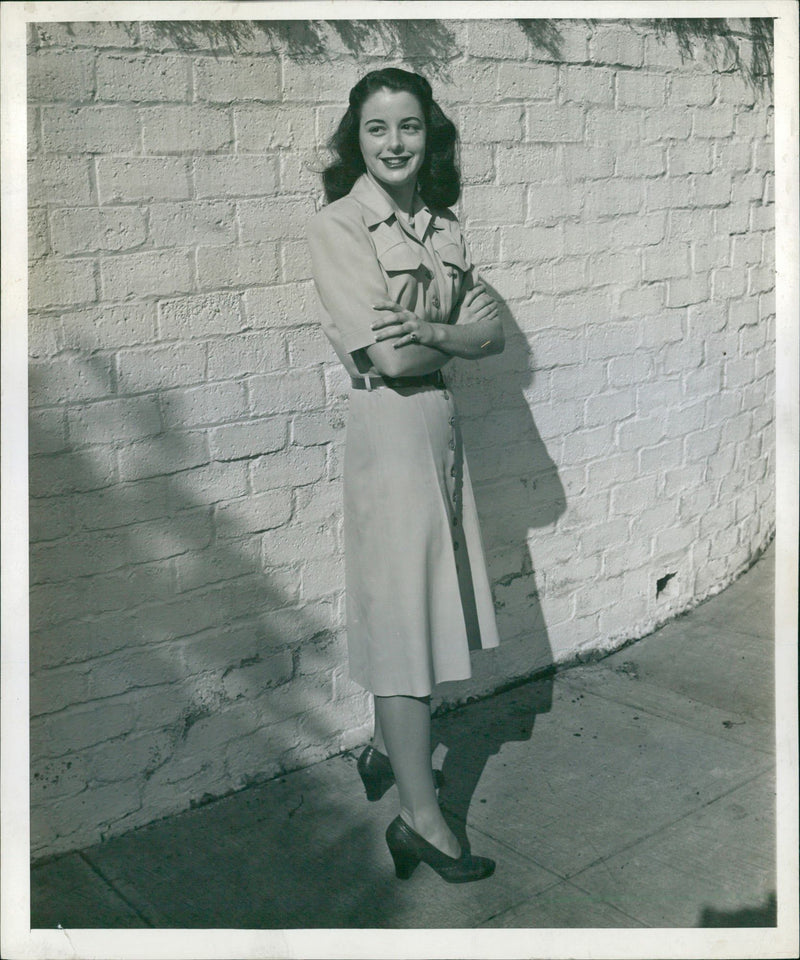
(422, 347)
(397, 342)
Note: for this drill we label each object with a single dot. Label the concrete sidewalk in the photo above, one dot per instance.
(634, 792)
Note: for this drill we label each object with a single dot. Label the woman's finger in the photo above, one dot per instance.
(388, 305)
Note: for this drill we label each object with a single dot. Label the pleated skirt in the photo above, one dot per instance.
(418, 598)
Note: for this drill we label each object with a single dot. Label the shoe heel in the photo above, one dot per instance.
(375, 790)
(405, 862)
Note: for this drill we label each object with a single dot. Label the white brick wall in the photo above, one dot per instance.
(187, 415)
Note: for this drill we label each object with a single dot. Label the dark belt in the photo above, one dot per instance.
(434, 379)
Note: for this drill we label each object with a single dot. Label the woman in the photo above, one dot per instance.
(394, 277)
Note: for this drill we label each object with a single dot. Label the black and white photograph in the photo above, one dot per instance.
(400, 480)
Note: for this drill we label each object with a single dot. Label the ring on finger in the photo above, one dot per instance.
(413, 337)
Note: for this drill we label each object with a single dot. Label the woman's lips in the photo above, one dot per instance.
(396, 161)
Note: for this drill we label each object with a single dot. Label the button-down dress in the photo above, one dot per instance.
(417, 590)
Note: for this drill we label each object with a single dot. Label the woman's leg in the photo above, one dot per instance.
(377, 736)
(405, 723)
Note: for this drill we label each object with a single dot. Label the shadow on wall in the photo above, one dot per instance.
(517, 488)
(164, 659)
(745, 46)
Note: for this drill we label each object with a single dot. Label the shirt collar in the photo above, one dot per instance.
(378, 209)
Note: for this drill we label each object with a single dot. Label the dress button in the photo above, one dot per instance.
(446, 395)
(452, 444)
(455, 521)
(452, 471)
(452, 421)
(435, 302)
(455, 546)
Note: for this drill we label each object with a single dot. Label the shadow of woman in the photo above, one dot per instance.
(517, 489)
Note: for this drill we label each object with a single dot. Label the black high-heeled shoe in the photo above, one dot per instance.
(408, 849)
(377, 775)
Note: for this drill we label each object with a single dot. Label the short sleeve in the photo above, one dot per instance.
(346, 273)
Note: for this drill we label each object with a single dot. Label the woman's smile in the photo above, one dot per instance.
(392, 141)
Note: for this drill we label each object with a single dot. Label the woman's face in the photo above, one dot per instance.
(391, 135)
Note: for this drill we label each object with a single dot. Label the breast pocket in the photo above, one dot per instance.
(403, 268)
(455, 267)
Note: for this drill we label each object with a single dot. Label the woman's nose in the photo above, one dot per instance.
(395, 142)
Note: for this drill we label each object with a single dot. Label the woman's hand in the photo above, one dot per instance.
(478, 304)
(402, 325)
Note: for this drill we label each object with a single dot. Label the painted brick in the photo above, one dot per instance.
(140, 79)
(309, 80)
(87, 33)
(552, 202)
(671, 123)
(189, 129)
(296, 542)
(689, 157)
(666, 260)
(606, 125)
(121, 504)
(299, 172)
(90, 130)
(642, 160)
(47, 430)
(163, 454)
(205, 405)
(285, 392)
(614, 197)
(587, 84)
(715, 121)
(158, 368)
(59, 180)
(510, 44)
(193, 570)
(223, 80)
(234, 357)
(295, 261)
(191, 222)
(495, 204)
(241, 176)
(549, 123)
(85, 230)
(248, 439)
(503, 123)
(200, 316)
(322, 577)
(616, 45)
(529, 164)
(122, 180)
(259, 129)
(308, 346)
(641, 89)
(108, 327)
(237, 266)
(525, 81)
(53, 283)
(253, 514)
(160, 273)
(61, 75)
(690, 91)
(582, 162)
(273, 219)
(293, 467)
(82, 726)
(280, 305)
(469, 81)
(113, 421)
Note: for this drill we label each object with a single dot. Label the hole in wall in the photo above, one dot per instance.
(662, 582)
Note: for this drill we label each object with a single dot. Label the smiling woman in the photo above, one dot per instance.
(395, 277)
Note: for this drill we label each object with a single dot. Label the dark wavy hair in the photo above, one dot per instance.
(439, 178)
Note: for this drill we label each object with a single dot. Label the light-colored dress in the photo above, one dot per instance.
(417, 591)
